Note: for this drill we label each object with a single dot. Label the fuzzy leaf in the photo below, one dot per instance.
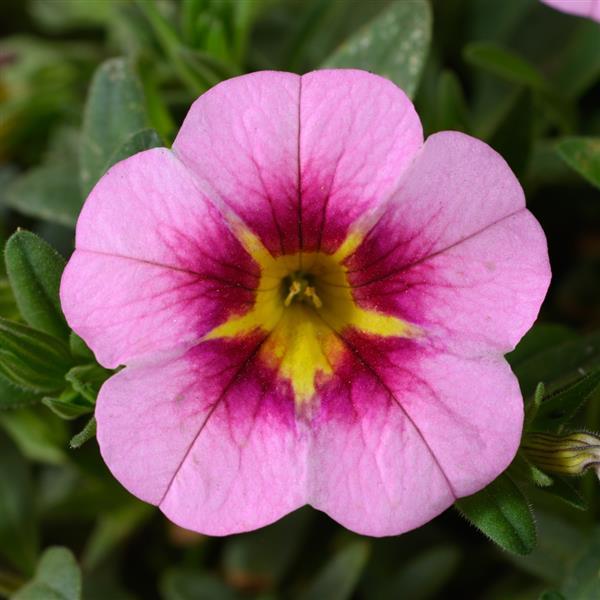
(49, 192)
(136, 142)
(501, 512)
(113, 112)
(34, 269)
(87, 380)
(69, 405)
(31, 359)
(394, 44)
(57, 577)
(86, 434)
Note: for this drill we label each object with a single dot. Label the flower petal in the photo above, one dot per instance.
(299, 159)
(457, 253)
(406, 430)
(584, 8)
(155, 265)
(206, 436)
(359, 132)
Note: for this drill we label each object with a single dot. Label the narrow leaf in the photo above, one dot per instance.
(339, 577)
(560, 407)
(192, 584)
(69, 405)
(583, 155)
(260, 559)
(503, 63)
(86, 434)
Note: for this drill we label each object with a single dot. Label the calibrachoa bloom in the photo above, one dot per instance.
(312, 305)
(583, 8)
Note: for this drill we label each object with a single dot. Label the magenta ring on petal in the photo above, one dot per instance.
(312, 305)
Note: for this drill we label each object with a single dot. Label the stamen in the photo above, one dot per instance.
(311, 293)
(301, 288)
(295, 289)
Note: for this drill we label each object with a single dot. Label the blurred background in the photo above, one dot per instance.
(84, 83)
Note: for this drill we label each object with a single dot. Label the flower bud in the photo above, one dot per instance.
(569, 454)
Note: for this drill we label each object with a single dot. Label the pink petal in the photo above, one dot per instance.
(584, 8)
(406, 430)
(299, 159)
(155, 266)
(206, 436)
(359, 132)
(457, 253)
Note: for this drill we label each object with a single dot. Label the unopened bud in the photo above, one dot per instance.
(569, 454)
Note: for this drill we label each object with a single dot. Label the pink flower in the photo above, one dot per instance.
(584, 8)
(313, 306)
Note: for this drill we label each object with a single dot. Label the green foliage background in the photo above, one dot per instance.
(85, 83)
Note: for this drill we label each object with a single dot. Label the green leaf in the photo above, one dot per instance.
(578, 63)
(559, 540)
(260, 559)
(85, 435)
(31, 359)
(555, 356)
(537, 339)
(394, 45)
(87, 380)
(40, 436)
(49, 192)
(565, 491)
(112, 529)
(192, 584)
(114, 111)
(452, 112)
(501, 512)
(18, 533)
(79, 348)
(136, 142)
(341, 574)
(560, 407)
(583, 155)
(551, 595)
(8, 305)
(513, 137)
(34, 269)
(69, 405)
(503, 63)
(14, 397)
(533, 405)
(583, 580)
(57, 577)
(425, 575)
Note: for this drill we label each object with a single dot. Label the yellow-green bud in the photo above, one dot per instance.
(569, 454)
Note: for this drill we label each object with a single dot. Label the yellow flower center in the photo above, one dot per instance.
(304, 303)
